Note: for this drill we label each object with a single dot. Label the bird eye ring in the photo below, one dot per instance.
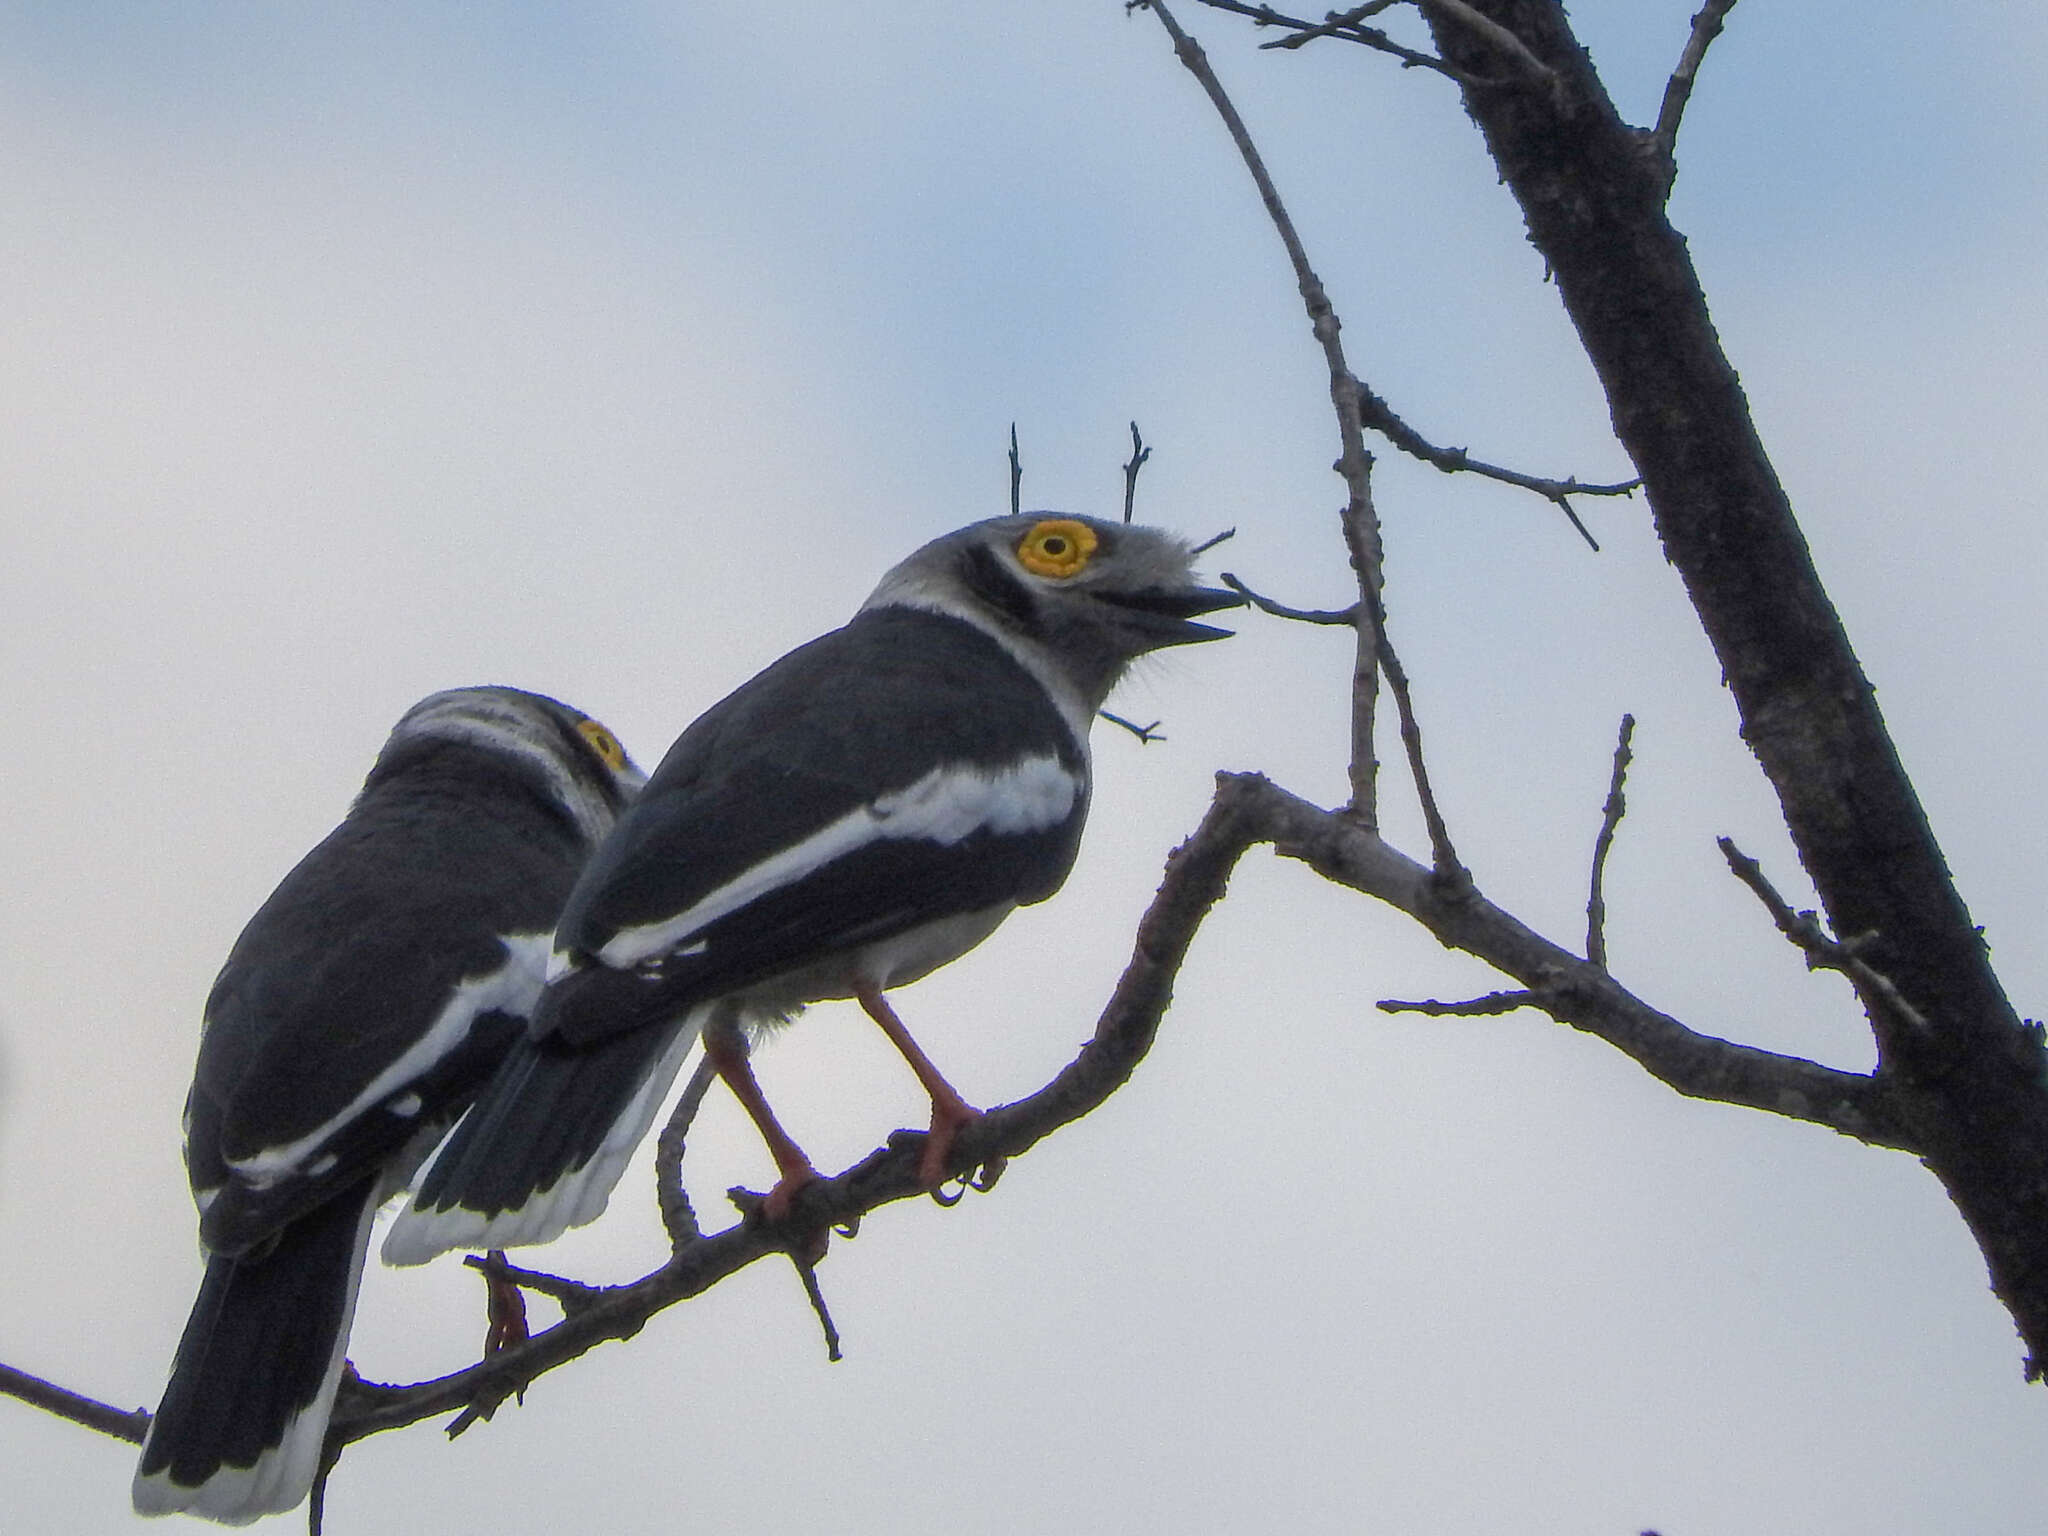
(603, 743)
(1058, 547)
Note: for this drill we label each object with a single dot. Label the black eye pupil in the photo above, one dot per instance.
(1055, 547)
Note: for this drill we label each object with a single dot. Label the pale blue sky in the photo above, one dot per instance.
(611, 350)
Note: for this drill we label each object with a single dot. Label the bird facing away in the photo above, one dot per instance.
(861, 813)
(355, 1017)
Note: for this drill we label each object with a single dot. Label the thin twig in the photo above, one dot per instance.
(572, 1296)
(1333, 616)
(1444, 859)
(1360, 521)
(1610, 818)
(1146, 734)
(1338, 29)
(1212, 541)
(1471, 1007)
(1531, 68)
(677, 1216)
(1568, 988)
(129, 1424)
(809, 1275)
(1706, 26)
(1139, 454)
(1016, 474)
(1880, 994)
(1378, 415)
(1362, 548)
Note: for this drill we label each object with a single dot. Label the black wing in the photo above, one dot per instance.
(815, 743)
(342, 972)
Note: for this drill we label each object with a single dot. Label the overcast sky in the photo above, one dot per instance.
(611, 350)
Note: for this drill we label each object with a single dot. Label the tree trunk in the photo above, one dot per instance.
(1958, 1064)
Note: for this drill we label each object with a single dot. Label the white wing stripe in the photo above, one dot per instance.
(946, 806)
(512, 988)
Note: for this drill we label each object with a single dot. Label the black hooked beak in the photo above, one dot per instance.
(1169, 614)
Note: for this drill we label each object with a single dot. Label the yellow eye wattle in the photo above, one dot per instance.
(1058, 547)
(603, 743)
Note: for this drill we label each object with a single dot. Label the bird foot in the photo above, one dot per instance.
(777, 1206)
(504, 1309)
(947, 1122)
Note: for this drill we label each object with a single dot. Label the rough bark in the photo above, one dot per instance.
(1967, 1074)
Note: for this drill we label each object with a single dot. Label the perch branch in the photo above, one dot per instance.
(1195, 877)
(129, 1424)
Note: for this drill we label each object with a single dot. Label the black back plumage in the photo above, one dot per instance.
(793, 750)
(358, 1012)
(864, 811)
(446, 850)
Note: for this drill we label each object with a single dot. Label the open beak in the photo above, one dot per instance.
(1168, 616)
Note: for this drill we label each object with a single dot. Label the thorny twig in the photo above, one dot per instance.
(1610, 818)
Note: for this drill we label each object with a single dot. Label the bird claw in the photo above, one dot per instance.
(981, 1180)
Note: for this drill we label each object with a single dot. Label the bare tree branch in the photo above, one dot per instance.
(1348, 28)
(1146, 734)
(1610, 818)
(1347, 617)
(1573, 991)
(1195, 877)
(1139, 454)
(677, 1217)
(123, 1424)
(1706, 26)
(1360, 521)
(1378, 415)
(1016, 474)
(1471, 1007)
(1518, 52)
(1445, 864)
(1878, 992)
